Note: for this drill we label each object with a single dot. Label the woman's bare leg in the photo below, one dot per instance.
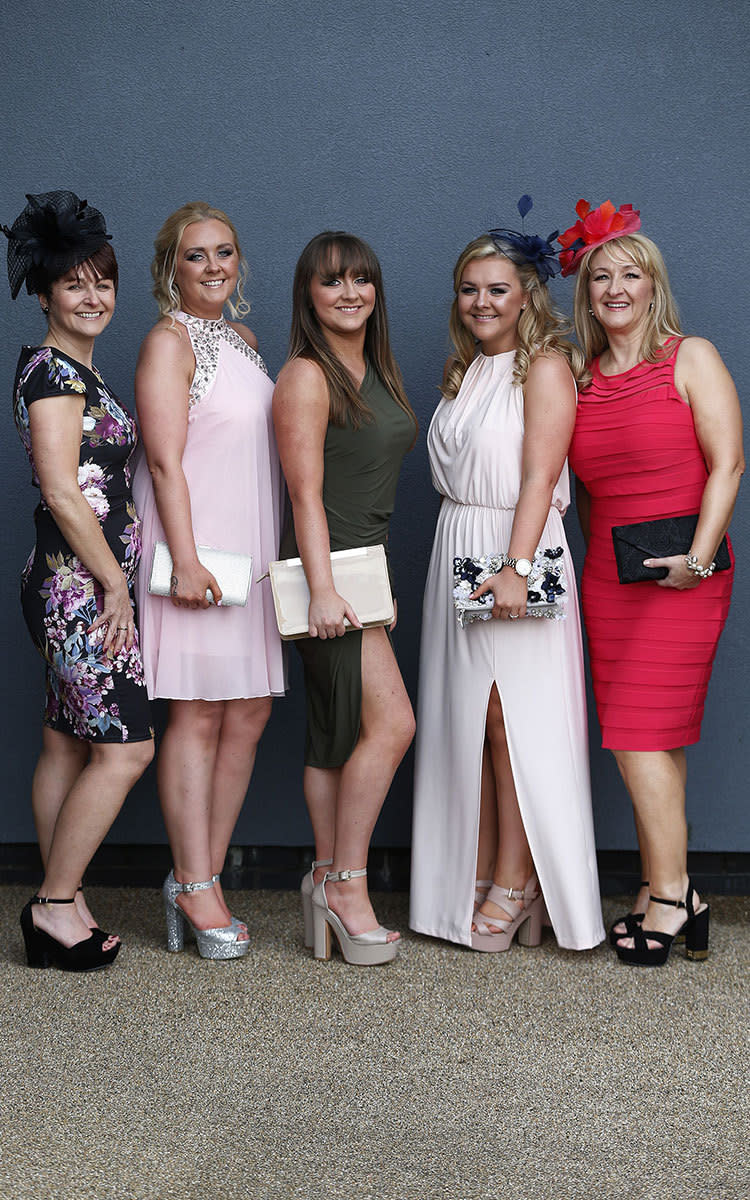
(656, 783)
(186, 764)
(84, 817)
(241, 728)
(513, 865)
(60, 763)
(487, 844)
(321, 786)
(386, 730)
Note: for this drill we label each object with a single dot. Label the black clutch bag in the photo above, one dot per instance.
(657, 539)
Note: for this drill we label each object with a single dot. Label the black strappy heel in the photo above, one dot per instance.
(629, 920)
(42, 950)
(695, 929)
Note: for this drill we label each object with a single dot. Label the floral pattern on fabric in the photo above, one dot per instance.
(90, 695)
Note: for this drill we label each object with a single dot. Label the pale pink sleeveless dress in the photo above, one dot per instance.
(231, 465)
(475, 444)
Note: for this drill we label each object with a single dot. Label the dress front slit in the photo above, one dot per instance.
(475, 444)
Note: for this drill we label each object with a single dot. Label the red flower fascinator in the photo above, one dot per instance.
(595, 227)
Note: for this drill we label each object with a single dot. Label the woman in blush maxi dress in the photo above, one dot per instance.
(475, 447)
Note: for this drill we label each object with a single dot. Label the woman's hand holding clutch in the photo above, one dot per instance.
(190, 585)
(509, 591)
(679, 577)
(327, 614)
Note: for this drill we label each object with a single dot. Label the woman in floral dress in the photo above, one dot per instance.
(76, 587)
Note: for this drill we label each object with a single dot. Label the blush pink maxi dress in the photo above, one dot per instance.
(475, 445)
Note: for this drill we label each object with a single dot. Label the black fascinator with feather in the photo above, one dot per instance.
(537, 251)
(55, 231)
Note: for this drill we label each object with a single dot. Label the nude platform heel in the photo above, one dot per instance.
(362, 949)
(524, 923)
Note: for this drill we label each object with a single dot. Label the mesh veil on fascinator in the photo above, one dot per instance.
(537, 251)
(594, 227)
(55, 231)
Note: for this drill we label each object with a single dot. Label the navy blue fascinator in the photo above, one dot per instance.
(55, 231)
(537, 251)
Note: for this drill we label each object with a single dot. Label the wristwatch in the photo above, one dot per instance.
(521, 566)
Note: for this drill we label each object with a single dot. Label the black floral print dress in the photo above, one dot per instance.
(90, 695)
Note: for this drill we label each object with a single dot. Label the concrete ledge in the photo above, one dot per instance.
(280, 867)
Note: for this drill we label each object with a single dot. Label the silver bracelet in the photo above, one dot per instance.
(692, 564)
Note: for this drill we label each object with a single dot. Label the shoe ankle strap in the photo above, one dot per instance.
(203, 886)
(320, 862)
(342, 876)
(514, 894)
(49, 900)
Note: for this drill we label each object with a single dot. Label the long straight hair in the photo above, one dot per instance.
(333, 253)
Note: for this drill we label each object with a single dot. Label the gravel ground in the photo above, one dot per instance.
(539, 1074)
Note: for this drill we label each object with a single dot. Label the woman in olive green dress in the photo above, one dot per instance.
(343, 426)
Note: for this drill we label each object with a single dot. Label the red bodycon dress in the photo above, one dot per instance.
(651, 648)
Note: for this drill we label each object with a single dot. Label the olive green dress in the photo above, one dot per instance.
(360, 474)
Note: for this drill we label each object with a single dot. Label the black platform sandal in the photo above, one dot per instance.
(42, 950)
(630, 920)
(695, 929)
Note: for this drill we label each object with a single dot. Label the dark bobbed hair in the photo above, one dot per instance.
(102, 264)
(334, 253)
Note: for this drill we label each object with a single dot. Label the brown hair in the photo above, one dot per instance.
(102, 264)
(663, 319)
(166, 245)
(541, 326)
(335, 253)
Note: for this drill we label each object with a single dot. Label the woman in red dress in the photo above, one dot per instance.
(658, 434)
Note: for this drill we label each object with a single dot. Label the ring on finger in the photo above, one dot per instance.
(512, 616)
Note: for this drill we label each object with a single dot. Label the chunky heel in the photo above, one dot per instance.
(36, 954)
(305, 893)
(321, 936)
(175, 927)
(696, 936)
(530, 931)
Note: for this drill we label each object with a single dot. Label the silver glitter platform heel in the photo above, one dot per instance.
(221, 943)
(173, 888)
(367, 949)
(305, 892)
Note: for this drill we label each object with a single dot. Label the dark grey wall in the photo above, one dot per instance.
(415, 125)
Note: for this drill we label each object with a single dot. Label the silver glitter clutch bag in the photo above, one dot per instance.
(547, 589)
(359, 575)
(233, 572)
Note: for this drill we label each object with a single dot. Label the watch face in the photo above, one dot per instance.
(523, 567)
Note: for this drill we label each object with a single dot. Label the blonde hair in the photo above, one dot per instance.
(166, 245)
(332, 253)
(541, 326)
(663, 318)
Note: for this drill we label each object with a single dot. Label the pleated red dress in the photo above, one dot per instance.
(651, 648)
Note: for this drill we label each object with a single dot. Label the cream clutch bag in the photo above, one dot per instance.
(233, 572)
(359, 575)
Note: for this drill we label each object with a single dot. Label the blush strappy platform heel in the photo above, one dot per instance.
(366, 949)
(524, 922)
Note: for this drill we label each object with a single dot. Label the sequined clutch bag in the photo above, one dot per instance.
(547, 587)
(233, 572)
(359, 575)
(657, 539)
